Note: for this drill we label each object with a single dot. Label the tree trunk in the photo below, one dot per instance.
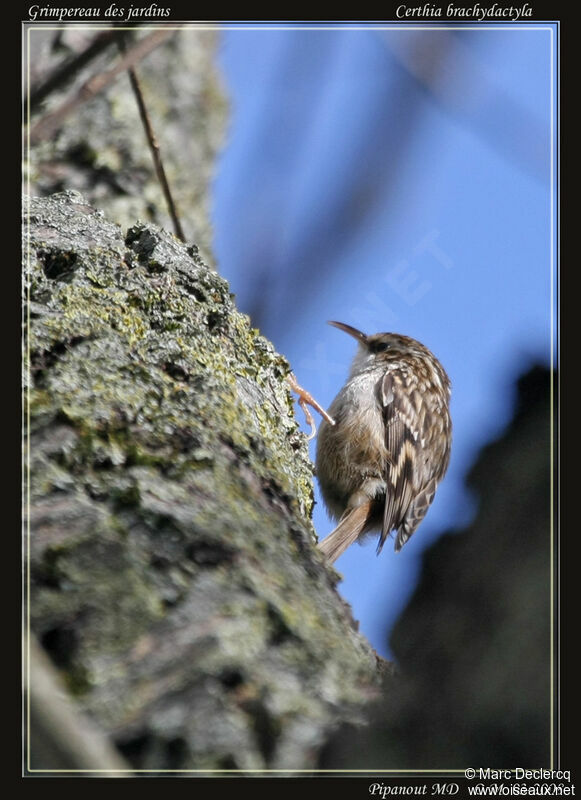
(173, 575)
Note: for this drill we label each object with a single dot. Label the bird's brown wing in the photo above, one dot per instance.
(419, 455)
(410, 487)
(416, 512)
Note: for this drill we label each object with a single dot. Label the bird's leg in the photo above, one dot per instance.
(306, 399)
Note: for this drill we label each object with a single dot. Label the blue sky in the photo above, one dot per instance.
(396, 180)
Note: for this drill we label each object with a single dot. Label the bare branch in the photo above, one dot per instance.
(60, 736)
(66, 72)
(155, 151)
(50, 123)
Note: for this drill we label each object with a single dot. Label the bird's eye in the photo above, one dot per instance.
(379, 347)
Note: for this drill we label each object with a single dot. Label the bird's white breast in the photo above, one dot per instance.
(363, 411)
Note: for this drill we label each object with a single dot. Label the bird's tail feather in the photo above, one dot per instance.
(347, 531)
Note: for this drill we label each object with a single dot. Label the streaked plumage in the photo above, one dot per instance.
(379, 465)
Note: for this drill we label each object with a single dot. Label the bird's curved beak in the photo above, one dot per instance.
(362, 337)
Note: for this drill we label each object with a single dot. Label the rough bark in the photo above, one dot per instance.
(174, 580)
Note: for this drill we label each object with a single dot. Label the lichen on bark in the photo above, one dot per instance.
(173, 573)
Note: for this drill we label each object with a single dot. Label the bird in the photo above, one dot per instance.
(379, 465)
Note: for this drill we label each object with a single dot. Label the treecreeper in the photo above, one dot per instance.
(379, 465)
